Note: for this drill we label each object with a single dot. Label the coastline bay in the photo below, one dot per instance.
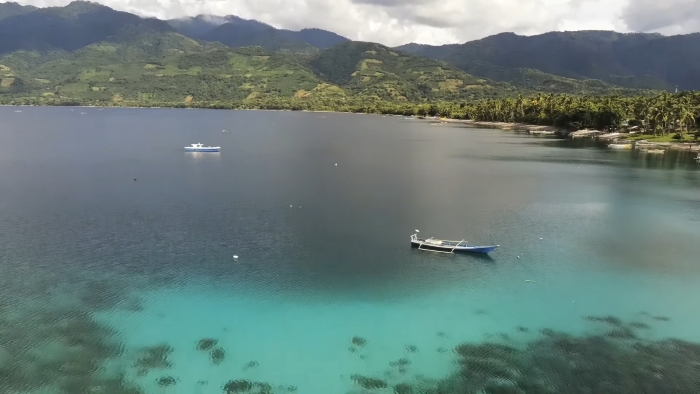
(95, 259)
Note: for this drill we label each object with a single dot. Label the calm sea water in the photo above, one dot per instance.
(116, 268)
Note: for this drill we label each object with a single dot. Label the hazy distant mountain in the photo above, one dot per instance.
(238, 32)
(238, 35)
(12, 9)
(71, 27)
(201, 25)
(635, 60)
(318, 38)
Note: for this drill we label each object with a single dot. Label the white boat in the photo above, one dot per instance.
(200, 148)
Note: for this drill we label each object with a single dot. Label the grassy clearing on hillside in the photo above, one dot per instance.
(6, 82)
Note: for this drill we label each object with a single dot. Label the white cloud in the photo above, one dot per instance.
(667, 16)
(395, 22)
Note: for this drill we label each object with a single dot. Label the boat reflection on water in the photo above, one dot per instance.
(203, 156)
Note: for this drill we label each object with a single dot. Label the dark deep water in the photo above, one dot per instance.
(117, 257)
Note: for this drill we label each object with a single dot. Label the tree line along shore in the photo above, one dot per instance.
(664, 117)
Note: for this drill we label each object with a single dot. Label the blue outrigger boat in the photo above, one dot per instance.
(443, 246)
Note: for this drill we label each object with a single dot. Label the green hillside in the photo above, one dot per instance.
(170, 67)
(370, 69)
(530, 79)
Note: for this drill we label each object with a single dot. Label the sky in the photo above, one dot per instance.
(396, 22)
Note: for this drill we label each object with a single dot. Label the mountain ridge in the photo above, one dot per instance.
(633, 60)
(235, 31)
(11, 9)
(200, 25)
(71, 27)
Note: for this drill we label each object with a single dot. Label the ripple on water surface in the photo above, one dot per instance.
(108, 286)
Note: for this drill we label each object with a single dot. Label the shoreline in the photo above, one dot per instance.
(607, 137)
(532, 129)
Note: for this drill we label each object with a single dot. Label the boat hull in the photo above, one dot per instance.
(202, 149)
(462, 248)
(620, 146)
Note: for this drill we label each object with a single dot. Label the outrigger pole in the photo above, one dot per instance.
(420, 246)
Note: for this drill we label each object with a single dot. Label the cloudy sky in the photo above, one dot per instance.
(395, 22)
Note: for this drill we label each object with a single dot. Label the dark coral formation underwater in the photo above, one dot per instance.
(166, 381)
(246, 386)
(359, 341)
(615, 361)
(369, 383)
(61, 349)
(153, 357)
(50, 338)
(206, 344)
(65, 350)
(217, 356)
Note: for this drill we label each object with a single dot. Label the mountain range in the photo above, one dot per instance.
(89, 51)
(238, 32)
(633, 60)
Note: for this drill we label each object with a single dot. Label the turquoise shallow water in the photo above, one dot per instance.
(306, 344)
(116, 242)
